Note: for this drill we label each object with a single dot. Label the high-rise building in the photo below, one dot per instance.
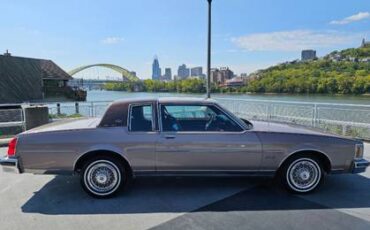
(156, 69)
(196, 72)
(219, 76)
(183, 72)
(215, 76)
(308, 55)
(167, 74)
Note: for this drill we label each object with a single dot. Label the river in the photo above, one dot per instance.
(97, 95)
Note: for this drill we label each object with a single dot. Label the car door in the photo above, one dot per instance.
(185, 147)
(142, 136)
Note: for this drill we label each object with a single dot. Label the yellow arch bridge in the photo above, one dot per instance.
(126, 75)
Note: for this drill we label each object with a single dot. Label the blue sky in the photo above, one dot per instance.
(247, 34)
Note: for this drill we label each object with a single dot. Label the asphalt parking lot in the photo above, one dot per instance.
(58, 202)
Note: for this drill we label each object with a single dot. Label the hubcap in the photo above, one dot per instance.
(303, 175)
(102, 177)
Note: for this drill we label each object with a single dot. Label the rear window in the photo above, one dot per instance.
(115, 116)
(141, 118)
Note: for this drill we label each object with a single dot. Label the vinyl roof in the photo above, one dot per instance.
(164, 100)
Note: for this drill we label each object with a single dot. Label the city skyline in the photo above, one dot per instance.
(243, 38)
(183, 71)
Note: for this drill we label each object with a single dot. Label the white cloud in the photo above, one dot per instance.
(294, 40)
(353, 18)
(112, 40)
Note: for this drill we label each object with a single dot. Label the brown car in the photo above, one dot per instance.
(177, 136)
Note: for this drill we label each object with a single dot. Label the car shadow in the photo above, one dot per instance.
(63, 195)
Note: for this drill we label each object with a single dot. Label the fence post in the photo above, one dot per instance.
(234, 107)
(272, 111)
(268, 112)
(58, 108)
(77, 108)
(344, 129)
(314, 119)
(23, 117)
(92, 109)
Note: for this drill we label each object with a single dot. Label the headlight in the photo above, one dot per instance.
(359, 151)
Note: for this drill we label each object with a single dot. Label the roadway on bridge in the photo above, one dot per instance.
(49, 202)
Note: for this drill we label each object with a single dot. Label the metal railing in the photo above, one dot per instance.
(11, 121)
(345, 119)
(78, 109)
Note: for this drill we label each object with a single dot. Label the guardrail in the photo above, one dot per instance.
(11, 120)
(345, 119)
(77, 109)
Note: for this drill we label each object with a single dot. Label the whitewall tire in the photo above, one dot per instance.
(103, 176)
(302, 174)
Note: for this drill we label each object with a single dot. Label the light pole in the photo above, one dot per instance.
(209, 50)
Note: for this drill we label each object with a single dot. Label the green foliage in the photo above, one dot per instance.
(362, 52)
(318, 76)
(122, 86)
(191, 85)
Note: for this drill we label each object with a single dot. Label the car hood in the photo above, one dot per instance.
(263, 126)
(67, 124)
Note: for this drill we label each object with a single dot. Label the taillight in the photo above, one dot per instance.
(11, 147)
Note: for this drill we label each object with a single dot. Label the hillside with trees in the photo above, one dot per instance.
(343, 72)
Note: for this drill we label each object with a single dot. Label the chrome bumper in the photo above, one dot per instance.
(360, 165)
(10, 164)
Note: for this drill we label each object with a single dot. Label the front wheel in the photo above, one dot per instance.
(103, 176)
(302, 174)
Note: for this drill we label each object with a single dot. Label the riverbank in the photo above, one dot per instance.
(102, 95)
(294, 94)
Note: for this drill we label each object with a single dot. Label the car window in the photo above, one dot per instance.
(196, 118)
(141, 118)
(189, 112)
(148, 112)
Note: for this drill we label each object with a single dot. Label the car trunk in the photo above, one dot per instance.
(67, 124)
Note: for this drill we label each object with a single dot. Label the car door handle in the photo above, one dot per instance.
(169, 137)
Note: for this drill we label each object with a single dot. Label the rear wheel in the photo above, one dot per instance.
(103, 176)
(302, 174)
